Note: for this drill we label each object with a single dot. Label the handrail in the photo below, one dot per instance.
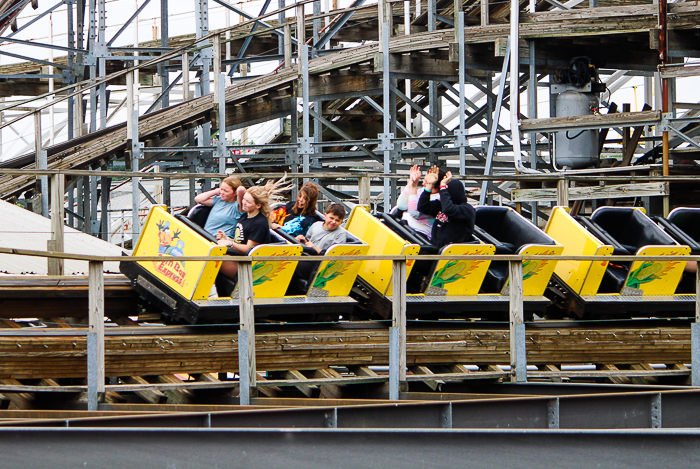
(397, 333)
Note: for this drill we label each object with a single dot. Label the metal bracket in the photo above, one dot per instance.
(386, 143)
(461, 137)
(291, 156)
(100, 50)
(305, 147)
(69, 2)
(665, 124)
(137, 148)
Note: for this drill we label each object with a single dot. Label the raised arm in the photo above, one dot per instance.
(206, 198)
(240, 192)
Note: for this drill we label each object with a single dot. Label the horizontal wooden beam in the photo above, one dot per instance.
(597, 121)
(592, 192)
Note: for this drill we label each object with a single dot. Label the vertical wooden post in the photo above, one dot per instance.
(217, 70)
(287, 45)
(246, 361)
(458, 8)
(518, 359)
(185, 77)
(563, 193)
(57, 213)
(397, 334)
(301, 30)
(484, 12)
(363, 191)
(96, 335)
(40, 162)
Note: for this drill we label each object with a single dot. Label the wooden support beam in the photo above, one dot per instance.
(622, 119)
(18, 400)
(518, 358)
(343, 85)
(152, 396)
(615, 379)
(424, 370)
(96, 335)
(563, 193)
(364, 191)
(631, 144)
(246, 360)
(329, 391)
(305, 389)
(58, 182)
(175, 396)
(420, 65)
(603, 134)
(611, 191)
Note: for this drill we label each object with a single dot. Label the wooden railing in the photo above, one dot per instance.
(397, 334)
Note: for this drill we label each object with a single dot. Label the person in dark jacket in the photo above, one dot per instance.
(454, 217)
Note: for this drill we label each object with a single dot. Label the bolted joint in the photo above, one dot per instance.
(100, 50)
(385, 142)
(291, 156)
(460, 138)
(305, 147)
(665, 124)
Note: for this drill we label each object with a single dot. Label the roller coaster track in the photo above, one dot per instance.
(450, 352)
(257, 96)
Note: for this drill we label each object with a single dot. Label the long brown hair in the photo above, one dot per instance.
(310, 191)
(270, 192)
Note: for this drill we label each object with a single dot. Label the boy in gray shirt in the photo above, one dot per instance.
(323, 234)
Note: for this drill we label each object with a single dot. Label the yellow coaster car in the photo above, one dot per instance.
(449, 287)
(184, 290)
(617, 289)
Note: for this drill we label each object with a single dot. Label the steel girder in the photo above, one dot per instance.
(386, 448)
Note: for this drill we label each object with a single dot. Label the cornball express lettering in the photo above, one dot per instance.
(173, 270)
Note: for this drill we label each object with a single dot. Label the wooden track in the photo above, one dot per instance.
(266, 96)
(52, 297)
(135, 351)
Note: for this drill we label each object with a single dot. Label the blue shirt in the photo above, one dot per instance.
(223, 216)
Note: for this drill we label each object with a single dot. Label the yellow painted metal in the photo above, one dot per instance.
(382, 241)
(271, 278)
(459, 277)
(596, 270)
(583, 277)
(336, 278)
(657, 277)
(164, 235)
(536, 273)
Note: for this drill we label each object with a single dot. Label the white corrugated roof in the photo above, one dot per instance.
(22, 229)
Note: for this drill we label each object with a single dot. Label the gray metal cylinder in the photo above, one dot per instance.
(575, 148)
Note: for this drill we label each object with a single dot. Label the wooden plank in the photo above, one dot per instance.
(631, 145)
(680, 72)
(152, 396)
(329, 391)
(421, 370)
(298, 377)
(597, 121)
(611, 191)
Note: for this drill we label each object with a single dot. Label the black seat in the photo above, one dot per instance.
(199, 214)
(683, 225)
(509, 232)
(627, 230)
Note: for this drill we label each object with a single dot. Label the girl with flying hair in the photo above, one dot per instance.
(298, 215)
(253, 227)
